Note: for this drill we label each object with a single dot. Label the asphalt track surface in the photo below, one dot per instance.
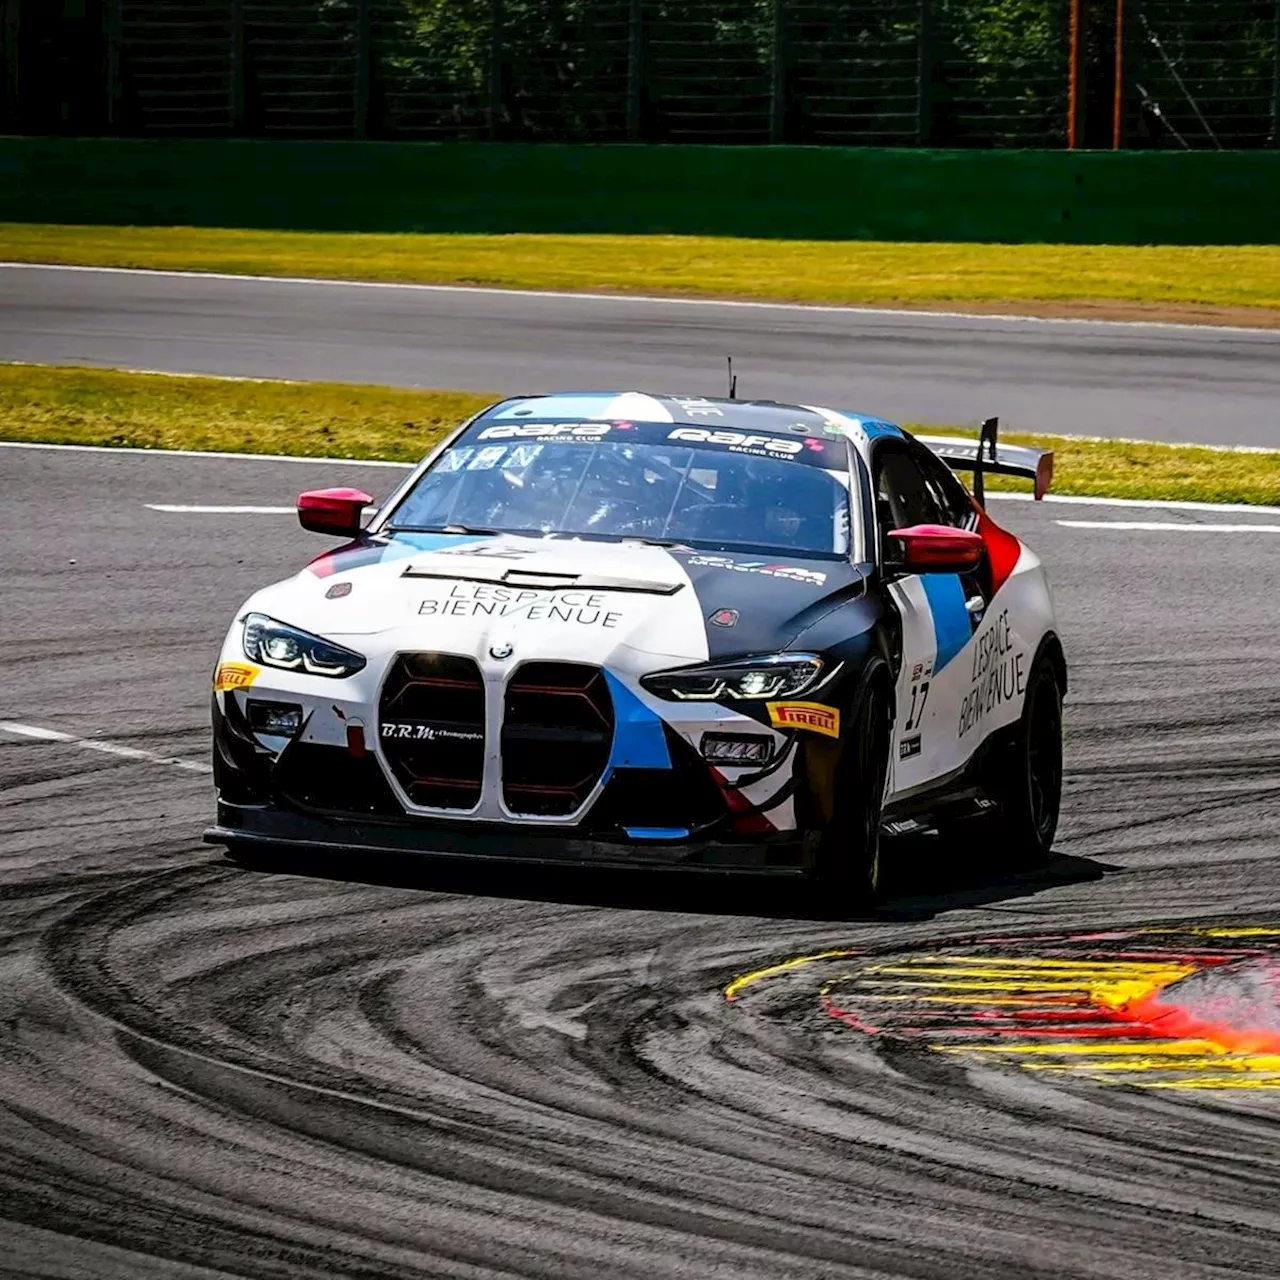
(421, 1070)
(1215, 386)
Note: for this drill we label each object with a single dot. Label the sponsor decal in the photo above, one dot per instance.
(724, 618)
(698, 407)
(547, 431)
(234, 675)
(841, 424)
(418, 732)
(338, 590)
(488, 550)
(489, 600)
(909, 747)
(488, 458)
(998, 674)
(903, 827)
(787, 572)
(739, 442)
(805, 715)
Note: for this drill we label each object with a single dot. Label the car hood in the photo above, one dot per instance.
(586, 600)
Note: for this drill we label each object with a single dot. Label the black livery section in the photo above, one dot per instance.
(754, 604)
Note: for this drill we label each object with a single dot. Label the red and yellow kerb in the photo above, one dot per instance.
(1180, 1008)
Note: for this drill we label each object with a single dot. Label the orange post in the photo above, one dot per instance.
(1073, 77)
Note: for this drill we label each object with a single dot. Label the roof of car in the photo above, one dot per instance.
(693, 410)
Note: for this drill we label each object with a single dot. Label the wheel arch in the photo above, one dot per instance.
(1050, 651)
(823, 758)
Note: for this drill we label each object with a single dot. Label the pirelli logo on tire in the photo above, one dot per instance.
(812, 716)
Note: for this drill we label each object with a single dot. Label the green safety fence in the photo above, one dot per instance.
(774, 192)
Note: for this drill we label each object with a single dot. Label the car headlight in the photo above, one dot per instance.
(275, 644)
(782, 675)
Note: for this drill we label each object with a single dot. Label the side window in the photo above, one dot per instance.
(904, 496)
(953, 501)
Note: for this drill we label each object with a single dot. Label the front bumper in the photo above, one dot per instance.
(316, 792)
(270, 827)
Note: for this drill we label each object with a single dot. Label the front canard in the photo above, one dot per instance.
(805, 715)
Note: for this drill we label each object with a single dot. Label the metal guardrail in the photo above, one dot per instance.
(971, 73)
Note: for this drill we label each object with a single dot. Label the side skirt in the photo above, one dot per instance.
(956, 795)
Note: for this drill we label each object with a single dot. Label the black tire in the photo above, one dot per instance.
(1025, 777)
(846, 867)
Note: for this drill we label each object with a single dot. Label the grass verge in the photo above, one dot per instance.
(157, 411)
(1213, 284)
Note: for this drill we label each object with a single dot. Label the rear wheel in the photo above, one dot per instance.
(1025, 778)
(847, 868)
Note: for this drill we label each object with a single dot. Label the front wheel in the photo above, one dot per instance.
(847, 867)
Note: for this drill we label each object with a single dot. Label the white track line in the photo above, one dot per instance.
(219, 511)
(106, 748)
(1156, 526)
(648, 299)
(206, 453)
(1158, 504)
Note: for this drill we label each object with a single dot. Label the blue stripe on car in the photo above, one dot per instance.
(639, 738)
(878, 427)
(951, 623)
(656, 833)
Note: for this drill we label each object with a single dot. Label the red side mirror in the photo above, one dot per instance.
(336, 511)
(935, 548)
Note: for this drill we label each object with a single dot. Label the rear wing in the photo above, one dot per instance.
(986, 456)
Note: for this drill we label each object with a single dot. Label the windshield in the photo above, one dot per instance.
(695, 494)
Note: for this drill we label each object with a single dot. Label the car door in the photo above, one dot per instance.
(938, 613)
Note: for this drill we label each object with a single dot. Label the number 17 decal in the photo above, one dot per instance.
(919, 696)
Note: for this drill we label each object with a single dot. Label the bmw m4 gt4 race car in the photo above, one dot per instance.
(626, 629)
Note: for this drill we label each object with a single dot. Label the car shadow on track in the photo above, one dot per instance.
(958, 882)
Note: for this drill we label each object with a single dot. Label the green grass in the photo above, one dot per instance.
(1237, 284)
(156, 411)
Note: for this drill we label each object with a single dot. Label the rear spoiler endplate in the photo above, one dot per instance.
(989, 457)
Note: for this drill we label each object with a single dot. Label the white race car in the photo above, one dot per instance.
(627, 628)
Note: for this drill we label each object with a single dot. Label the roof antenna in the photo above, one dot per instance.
(733, 381)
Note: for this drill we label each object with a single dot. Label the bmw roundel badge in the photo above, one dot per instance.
(500, 651)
